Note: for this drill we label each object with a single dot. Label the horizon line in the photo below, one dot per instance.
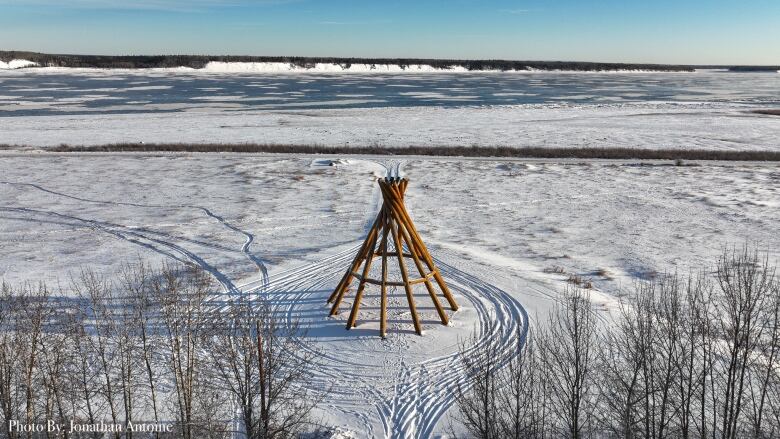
(384, 58)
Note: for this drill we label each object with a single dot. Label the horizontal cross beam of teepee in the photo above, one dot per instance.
(393, 225)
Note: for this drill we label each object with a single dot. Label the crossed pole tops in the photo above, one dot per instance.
(393, 224)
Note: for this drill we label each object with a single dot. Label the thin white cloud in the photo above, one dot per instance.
(152, 5)
(353, 23)
(515, 11)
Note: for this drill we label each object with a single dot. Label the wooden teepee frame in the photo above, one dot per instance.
(393, 221)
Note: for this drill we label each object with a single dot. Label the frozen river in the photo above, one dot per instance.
(33, 93)
(706, 109)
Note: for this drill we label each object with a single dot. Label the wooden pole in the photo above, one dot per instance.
(403, 215)
(347, 278)
(421, 270)
(405, 276)
(383, 304)
(369, 250)
(351, 323)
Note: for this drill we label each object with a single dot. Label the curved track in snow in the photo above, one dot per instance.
(409, 397)
(409, 381)
(409, 390)
(140, 234)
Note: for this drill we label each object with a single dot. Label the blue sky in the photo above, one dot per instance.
(654, 31)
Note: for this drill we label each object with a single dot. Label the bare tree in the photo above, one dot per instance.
(745, 281)
(523, 396)
(624, 352)
(547, 388)
(502, 399)
(97, 295)
(765, 373)
(570, 357)
(85, 377)
(478, 398)
(654, 355)
(136, 345)
(181, 292)
(127, 351)
(263, 363)
(691, 364)
(137, 282)
(23, 318)
(11, 363)
(773, 405)
(55, 365)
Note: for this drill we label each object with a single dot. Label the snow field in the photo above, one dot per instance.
(286, 227)
(653, 126)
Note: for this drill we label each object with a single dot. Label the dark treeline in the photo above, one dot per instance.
(769, 69)
(686, 357)
(199, 61)
(677, 155)
(150, 347)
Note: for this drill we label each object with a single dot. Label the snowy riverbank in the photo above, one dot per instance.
(312, 68)
(662, 126)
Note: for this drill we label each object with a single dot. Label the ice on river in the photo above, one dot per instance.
(42, 108)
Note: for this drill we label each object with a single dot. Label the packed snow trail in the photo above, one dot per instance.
(221, 278)
(410, 381)
(409, 398)
(503, 324)
(162, 246)
(409, 391)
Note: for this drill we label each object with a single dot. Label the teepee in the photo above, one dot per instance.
(393, 225)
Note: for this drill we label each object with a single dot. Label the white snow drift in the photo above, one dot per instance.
(16, 64)
(278, 67)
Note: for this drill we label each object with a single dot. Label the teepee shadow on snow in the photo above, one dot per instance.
(392, 235)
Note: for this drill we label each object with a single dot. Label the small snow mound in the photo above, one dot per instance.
(17, 64)
(337, 162)
(517, 168)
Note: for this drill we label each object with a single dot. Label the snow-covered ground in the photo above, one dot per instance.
(673, 126)
(496, 227)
